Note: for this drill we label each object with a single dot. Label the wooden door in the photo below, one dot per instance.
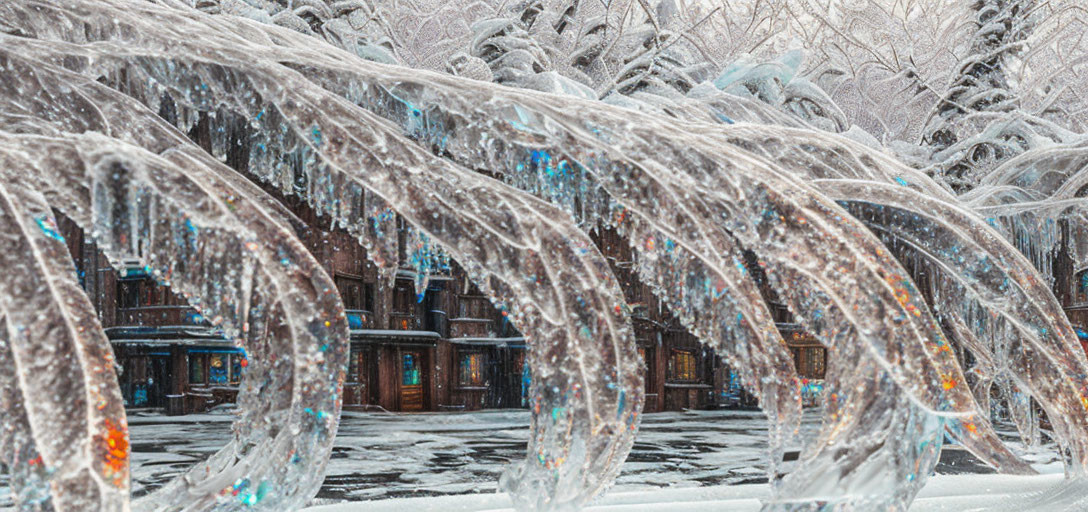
(158, 381)
(411, 381)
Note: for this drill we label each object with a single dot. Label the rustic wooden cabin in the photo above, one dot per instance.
(1070, 284)
(680, 373)
(448, 348)
(167, 355)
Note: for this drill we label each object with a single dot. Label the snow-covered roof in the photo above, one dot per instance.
(516, 342)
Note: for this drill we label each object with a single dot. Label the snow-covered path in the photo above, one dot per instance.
(381, 456)
(944, 493)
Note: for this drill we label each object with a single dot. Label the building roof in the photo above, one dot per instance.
(515, 342)
(167, 334)
(393, 335)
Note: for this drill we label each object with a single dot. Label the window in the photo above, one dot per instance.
(237, 363)
(368, 296)
(411, 376)
(682, 366)
(355, 293)
(1082, 287)
(218, 370)
(144, 292)
(471, 371)
(128, 293)
(355, 361)
(812, 362)
(403, 299)
(196, 368)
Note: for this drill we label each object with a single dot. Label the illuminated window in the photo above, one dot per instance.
(814, 362)
(682, 366)
(218, 370)
(471, 370)
(411, 376)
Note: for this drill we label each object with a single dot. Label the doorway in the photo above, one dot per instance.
(411, 381)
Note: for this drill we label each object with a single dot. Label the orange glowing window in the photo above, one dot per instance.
(471, 372)
(682, 366)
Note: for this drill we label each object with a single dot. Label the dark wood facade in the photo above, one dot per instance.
(1071, 286)
(681, 373)
(448, 349)
(445, 349)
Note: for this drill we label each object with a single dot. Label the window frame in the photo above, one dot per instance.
(480, 360)
(355, 363)
(683, 366)
(201, 360)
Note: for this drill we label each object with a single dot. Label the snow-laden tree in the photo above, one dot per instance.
(776, 83)
(1050, 70)
(977, 123)
(505, 45)
(358, 26)
(651, 61)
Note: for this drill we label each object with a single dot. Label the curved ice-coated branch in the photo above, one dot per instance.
(1044, 172)
(748, 203)
(523, 131)
(960, 244)
(217, 242)
(585, 376)
(63, 432)
(434, 101)
(546, 274)
(936, 223)
(269, 294)
(824, 156)
(990, 271)
(1036, 198)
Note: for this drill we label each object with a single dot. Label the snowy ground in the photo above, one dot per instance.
(380, 456)
(943, 493)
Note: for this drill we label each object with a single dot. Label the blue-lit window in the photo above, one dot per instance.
(216, 367)
(237, 363)
(218, 370)
(411, 376)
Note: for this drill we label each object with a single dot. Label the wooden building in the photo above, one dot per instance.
(1070, 286)
(448, 349)
(445, 349)
(681, 373)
